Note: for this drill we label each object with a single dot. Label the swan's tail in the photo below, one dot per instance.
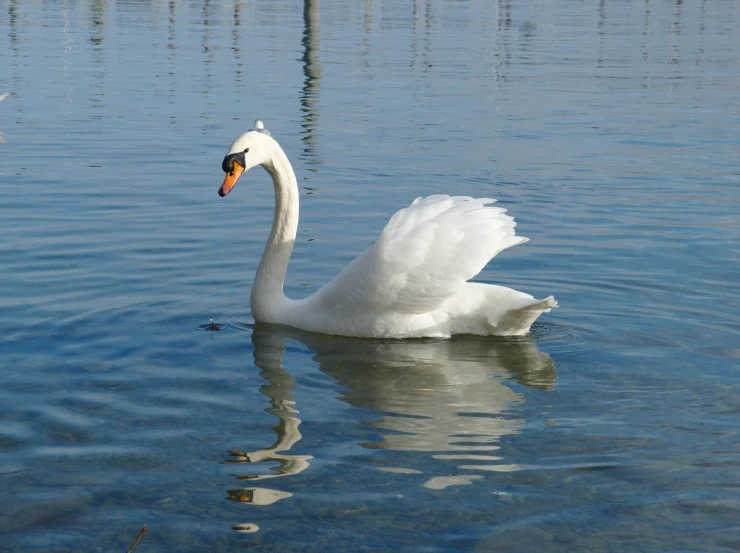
(516, 322)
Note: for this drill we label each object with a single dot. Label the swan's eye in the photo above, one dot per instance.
(228, 163)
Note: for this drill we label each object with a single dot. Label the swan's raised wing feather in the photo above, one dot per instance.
(423, 256)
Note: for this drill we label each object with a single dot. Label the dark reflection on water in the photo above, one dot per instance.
(312, 81)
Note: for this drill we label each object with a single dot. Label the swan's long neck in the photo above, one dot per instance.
(267, 292)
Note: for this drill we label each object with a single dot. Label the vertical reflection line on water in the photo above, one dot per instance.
(235, 42)
(171, 28)
(368, 26)
(414, 33)
(172, 53)
(97, 29)
(504, 15)
(13, 38)
(502, 50)
(207, 51)
(675, 58)
(428, 18)
(311, 82)
(97, 37)
(646, 47)
(428, 26)
(602, 33)
(13, 24)
(67, 42)
(495, 47)
(268, 356)
(497, 62)
(526, 43)
(702, 31)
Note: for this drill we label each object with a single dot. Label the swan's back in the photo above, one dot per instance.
(423, 257)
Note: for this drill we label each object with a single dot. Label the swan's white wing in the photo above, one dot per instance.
(424, 255)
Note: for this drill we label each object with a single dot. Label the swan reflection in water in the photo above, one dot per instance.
(268, 356)
(444, 397)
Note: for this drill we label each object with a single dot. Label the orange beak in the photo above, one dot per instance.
(230, 180)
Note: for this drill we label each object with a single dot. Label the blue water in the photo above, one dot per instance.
(610, 130)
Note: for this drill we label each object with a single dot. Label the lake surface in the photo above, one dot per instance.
(610, 130)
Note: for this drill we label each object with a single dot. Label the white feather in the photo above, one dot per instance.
(424, 256)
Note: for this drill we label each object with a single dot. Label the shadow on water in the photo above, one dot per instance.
(444, 397)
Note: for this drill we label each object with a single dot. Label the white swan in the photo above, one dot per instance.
(412, 282)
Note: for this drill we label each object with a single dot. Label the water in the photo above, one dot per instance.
(610, 130)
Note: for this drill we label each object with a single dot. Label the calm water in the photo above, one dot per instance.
(611, 130)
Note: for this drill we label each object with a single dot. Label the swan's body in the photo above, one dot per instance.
(411, 282)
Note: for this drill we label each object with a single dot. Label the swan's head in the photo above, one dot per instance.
(249, 150)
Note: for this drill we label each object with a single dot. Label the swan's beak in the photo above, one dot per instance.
(230, 180)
